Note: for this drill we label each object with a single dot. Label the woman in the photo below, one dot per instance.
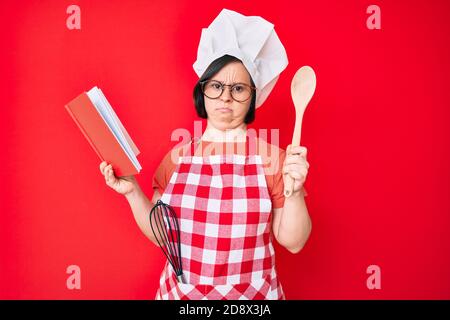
(229, 207)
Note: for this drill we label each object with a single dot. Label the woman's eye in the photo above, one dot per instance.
(238, 88)
(216, 86)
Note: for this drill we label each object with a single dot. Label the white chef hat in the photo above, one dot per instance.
(252, 40)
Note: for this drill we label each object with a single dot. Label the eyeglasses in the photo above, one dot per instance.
(240, 92)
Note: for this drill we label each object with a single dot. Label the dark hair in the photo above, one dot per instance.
(213, 69)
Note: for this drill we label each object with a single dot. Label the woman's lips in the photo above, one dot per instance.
(223, 109)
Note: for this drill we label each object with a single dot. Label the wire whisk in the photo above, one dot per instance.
(165, 228)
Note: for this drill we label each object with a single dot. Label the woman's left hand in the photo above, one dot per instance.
(296, 166)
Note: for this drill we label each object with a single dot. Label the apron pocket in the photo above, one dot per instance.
(255, 290)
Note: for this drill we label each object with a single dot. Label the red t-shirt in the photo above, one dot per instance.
(271, 155)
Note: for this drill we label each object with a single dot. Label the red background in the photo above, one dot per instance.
(377, 133)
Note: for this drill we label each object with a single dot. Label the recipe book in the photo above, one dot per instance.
(102, 128)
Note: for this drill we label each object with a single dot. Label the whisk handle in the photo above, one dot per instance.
(180, 278)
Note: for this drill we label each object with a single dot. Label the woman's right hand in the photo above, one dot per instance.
(122, 185)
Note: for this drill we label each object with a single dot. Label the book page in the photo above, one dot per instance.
(105, 111)
(122, 128)
(112, 115)
(123, 135)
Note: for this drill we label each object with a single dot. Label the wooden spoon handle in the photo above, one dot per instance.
(289, 185)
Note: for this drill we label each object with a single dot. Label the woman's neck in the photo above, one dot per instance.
(213, 134)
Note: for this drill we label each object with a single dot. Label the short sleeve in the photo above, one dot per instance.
(162, 175)
(277, 192)
(158, 179)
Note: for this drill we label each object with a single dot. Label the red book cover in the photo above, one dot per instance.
(100, 136)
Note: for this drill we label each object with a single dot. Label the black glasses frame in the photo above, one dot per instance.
(252, 89)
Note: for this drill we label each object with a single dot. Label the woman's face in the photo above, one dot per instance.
(224, 112)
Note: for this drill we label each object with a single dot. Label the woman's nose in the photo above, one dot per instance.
(226, 94)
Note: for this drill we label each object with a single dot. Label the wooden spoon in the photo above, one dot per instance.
(303, 86)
